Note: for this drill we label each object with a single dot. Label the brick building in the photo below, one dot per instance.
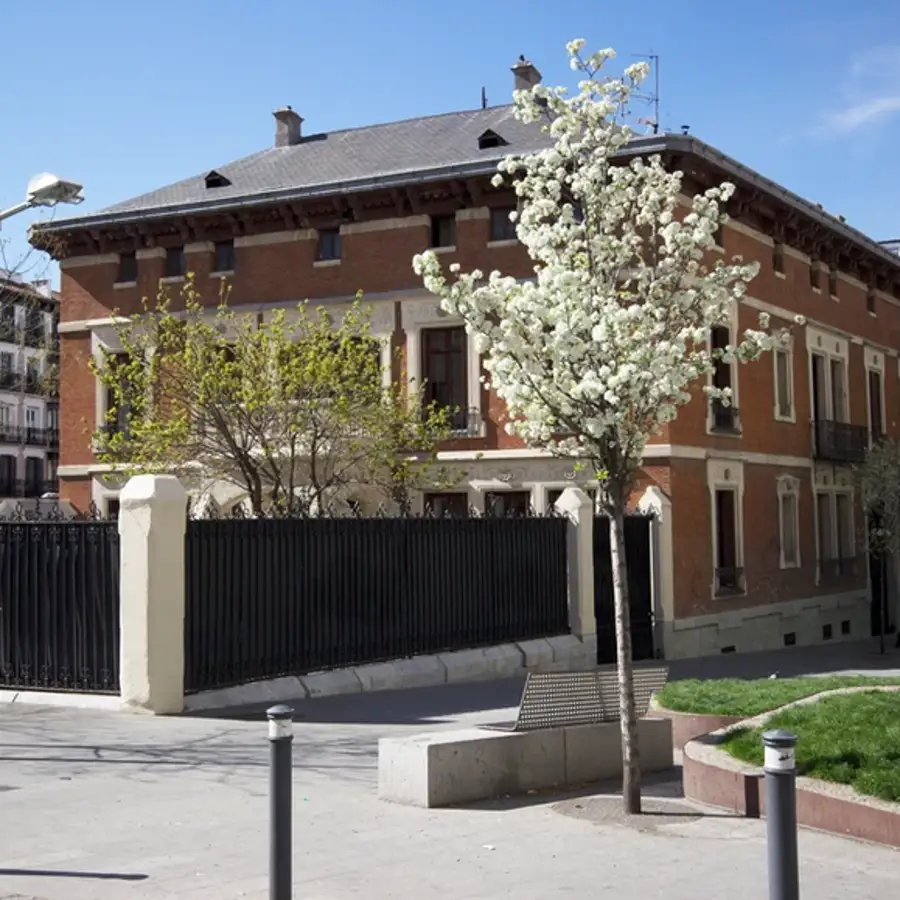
(760, 541)
(29, 409)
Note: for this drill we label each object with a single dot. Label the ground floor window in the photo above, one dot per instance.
(835, 541)
(789, 521)
(507, 504)
(446, 505)
(729, 573)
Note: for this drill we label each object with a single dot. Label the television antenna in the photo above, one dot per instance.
(653, 98)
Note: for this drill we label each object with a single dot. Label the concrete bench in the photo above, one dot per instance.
(566, 735)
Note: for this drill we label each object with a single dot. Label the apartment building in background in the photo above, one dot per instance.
(29, 406)
(760, 541)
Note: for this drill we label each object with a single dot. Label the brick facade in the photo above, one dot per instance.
(772, 601)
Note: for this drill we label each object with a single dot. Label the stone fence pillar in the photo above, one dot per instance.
(579, 508)
(152, 522)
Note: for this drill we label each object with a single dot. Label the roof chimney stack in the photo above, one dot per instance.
(526, 75)
(287, 127)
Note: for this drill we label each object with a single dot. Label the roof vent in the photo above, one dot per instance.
(287, 127)
(490, 139)
(216, 179)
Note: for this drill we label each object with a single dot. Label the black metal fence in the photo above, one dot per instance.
(271, 597)
(639, 559)
(59, 605)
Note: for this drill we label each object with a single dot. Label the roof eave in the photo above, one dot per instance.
(242, 201)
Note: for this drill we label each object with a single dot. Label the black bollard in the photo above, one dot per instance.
(281, 739)
(781, 814)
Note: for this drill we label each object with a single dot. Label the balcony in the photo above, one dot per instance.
(725, 419)
(28, 489)
(41, 437)
(729, 581)
(9, 380)
(845, 568)
(465, 423)
(10, 434)
(840, 441)
(35, 336)
(9, 334)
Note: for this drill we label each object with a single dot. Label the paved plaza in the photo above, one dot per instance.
(100, 805)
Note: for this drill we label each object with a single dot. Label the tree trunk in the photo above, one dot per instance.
(631, 755)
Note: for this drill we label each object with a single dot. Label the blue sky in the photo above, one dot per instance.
(127, 96)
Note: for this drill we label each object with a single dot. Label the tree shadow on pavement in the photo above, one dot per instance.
(662, 796)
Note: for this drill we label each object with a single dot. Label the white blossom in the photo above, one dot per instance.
(601, 348)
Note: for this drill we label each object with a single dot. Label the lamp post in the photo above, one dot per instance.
(45, 190)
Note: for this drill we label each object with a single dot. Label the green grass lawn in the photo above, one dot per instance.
(851, 739)
(733, 697)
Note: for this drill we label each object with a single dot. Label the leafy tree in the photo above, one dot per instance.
(290, 408)
(878, 483)
(602, 347)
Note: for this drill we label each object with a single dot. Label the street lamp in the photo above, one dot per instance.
(45, 190)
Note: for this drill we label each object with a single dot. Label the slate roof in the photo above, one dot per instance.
(395, 153)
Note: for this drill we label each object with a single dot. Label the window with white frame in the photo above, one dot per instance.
(784, 384)
(828, 376)
(875, 393)
(723, 413)
(835, 533)
(6, 411)
(789, 522)
(726, 483)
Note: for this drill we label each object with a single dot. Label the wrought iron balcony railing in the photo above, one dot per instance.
(466, 423)
(729, 580)
(41, 437)
(843, 568)
(840, 441)
(725, 419)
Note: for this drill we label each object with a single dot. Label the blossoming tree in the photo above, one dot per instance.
(600, 349)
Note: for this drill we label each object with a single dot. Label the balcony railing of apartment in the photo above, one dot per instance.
(35, 336)
(9, 334)
(27, 489)
(9, 380)
(40, 437)
(843, 568)
(466, 423)
(839, 441)
(729, 580)
(725, 419)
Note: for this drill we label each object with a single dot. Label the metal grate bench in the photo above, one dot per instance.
(559, 699)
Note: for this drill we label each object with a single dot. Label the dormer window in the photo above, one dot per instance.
(490, 139)
(216, 179)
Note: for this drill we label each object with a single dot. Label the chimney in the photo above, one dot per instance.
(526, 75)
(287, 127)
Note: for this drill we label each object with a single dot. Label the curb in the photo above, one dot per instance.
(66, 700)
(482, 664)
(714, 777)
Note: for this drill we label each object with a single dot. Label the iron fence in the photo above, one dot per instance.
(59, 604)
(285, 596)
